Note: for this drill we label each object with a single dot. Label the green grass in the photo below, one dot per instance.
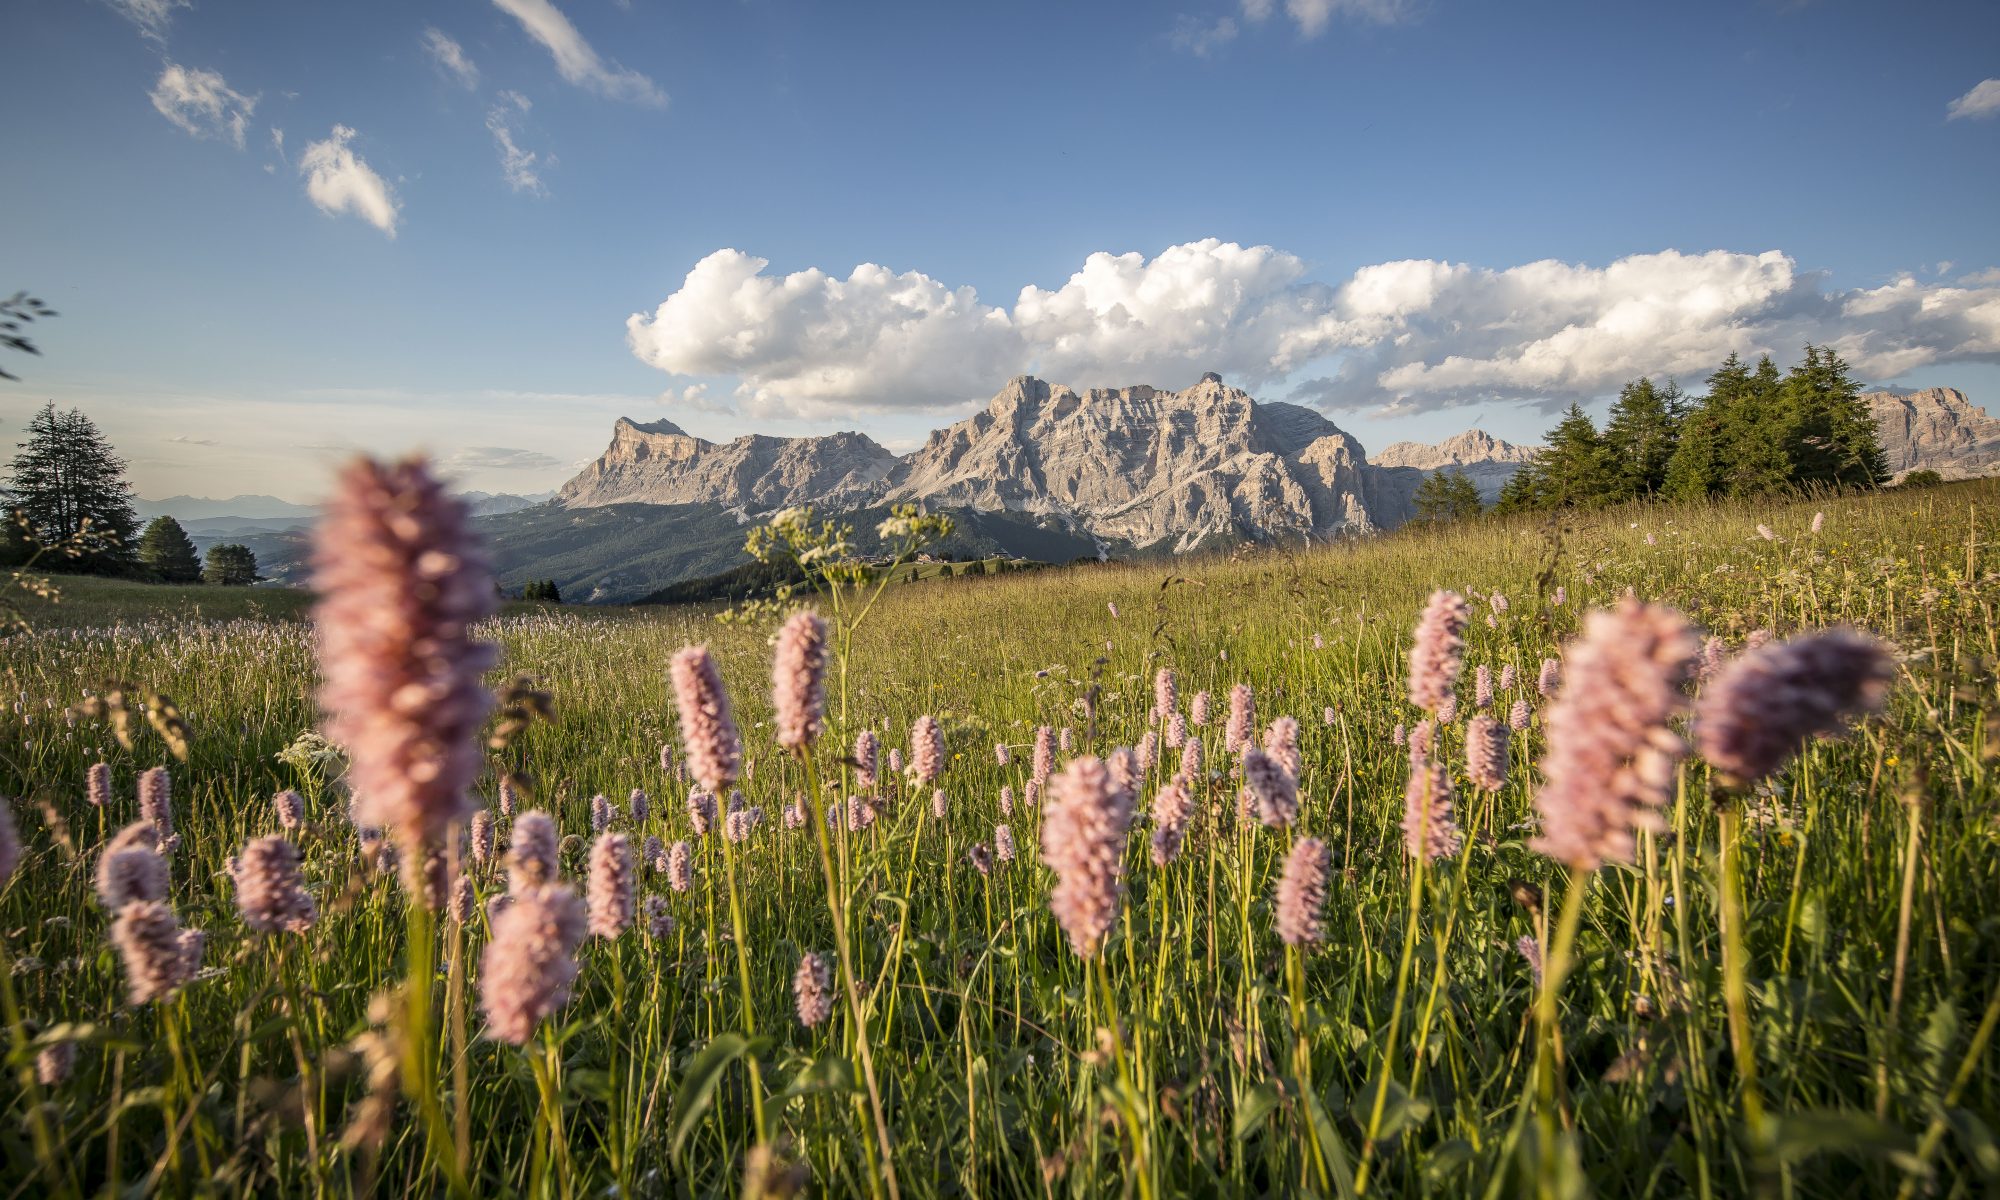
(1870, 966)
(83, 601)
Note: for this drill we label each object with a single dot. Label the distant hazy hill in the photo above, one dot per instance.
(199, 514)
(200, 508)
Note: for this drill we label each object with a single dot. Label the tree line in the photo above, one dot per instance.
(1754, 432)
(69, 507)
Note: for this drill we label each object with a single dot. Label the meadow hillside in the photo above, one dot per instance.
(1204, 1050)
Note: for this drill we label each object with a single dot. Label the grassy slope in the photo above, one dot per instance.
(993, 657)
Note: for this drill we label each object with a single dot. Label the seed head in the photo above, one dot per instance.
(1302, 893)
(526, 971)
(926, 750)
(1611, 756)
(610, 886)
(156, 800)
(1083, 840)
(269, 893)
(708, 731)
(401, 580)
(130, 869)
(867, 760)
(680, 867)
(1486, 753)
(812, 989)
(532, 852)
(1438, 649)
(148, 937)
(97, 788)
(798, 680)
(1755, 713)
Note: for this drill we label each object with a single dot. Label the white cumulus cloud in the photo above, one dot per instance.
(575, 59)
(450, 57)
(814, 344)
(1982, 101)
(1413, 334)
(202, 103)
(340, 181)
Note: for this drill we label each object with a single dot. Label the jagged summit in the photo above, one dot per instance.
(657, 463)
(1131, 464)
(1143, 465)
(1474, 446)
(1936, 429)
(662, 426)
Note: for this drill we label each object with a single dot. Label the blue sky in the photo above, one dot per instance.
(1423, 216)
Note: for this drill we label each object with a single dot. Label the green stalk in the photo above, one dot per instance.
(738, 927)
(1375, 1110)
(1555, 969)
(855, 1013)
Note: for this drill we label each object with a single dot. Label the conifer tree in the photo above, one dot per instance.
(1641, 435)
(1758, 432)
(1833, 439)
(230, 564)
(69, 486)
(169, 553)
(1447, 495)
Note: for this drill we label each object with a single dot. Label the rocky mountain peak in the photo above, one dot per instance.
(1466, 449)
(1936, 429)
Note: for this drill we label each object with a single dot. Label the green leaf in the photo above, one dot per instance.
(1975, 1141)
(591, 1083)
(1256, 1106)
(698, 1085)
(829, 1074)
(1401, 1111)
(1337, 1163)
(1804, 1134)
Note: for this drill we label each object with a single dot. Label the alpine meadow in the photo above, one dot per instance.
(658, 600)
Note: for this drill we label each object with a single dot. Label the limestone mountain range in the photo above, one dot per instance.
(1134, 465)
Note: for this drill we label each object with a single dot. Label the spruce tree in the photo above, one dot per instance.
(70, 487)
(230, 564)
(1833, 439)
(1447, 495)
(1576, 470)
(1758, 431)
(1641, 435)
(168, 553)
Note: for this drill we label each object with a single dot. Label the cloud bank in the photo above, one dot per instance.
(1411, 335)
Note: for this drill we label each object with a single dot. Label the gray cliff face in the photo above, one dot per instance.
(657, 463)
(1145, 466)
(1936, 429)
(1399, 468)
